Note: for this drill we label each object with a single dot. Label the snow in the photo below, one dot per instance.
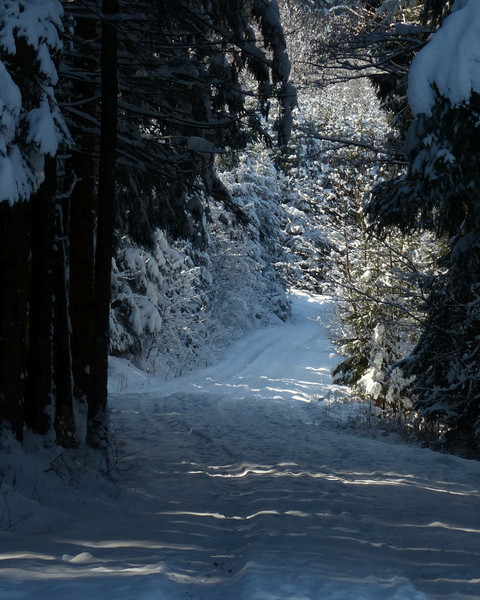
(241, 481)
(10, 106)
(43, 127)
(37, 22)
(450, 61)
(43, 130)
(16, 180)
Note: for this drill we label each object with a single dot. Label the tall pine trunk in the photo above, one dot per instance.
(14, 295)
(97, 424)
(39, 397)
(82, 206)
(65, 426)
(81, 252)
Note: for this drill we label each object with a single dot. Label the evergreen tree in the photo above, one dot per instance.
(440, 193)
(196, 78)
(185, 74)
(80, 81)
(378, 281)
(32, 130)
(182, 97)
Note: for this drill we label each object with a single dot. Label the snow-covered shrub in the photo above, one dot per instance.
(379, 282)
(156, 297)
(255, 249)
(177, 306)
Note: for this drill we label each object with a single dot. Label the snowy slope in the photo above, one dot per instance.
(240, 482)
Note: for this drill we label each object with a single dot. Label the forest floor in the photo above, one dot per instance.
(250, 480)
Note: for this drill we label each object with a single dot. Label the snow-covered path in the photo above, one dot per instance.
(241, 484)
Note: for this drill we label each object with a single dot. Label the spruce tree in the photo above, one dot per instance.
(32, 132)
(440, 193)
(181, 76)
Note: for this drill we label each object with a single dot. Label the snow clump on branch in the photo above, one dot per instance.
(449, 63)
(29, 35)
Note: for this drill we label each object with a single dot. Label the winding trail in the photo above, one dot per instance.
(243, 482)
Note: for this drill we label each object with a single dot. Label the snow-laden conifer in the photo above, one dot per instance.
(32, 125)
(440, 193)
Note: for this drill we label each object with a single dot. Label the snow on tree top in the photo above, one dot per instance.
(37, 22)
(29, 128)
(450, 62)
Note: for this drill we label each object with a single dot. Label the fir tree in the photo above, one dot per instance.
(32, 131)
(440, 193)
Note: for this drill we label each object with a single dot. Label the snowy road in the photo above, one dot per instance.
(240, 484)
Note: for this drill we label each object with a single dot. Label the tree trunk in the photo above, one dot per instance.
(14, 294)
(65, 427)
(83, 207)
(81, 297)
(97, 425)
(39, 397)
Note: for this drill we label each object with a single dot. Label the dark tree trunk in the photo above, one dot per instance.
(97, 426)
(81, 298)
(82, 208)
(39, 397)
(64, 414)
(14, 294)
